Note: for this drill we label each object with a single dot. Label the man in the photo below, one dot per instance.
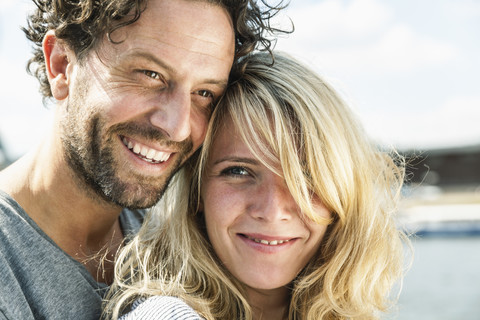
(133, 83)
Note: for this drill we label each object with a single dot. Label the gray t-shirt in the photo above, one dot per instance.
(38, 280)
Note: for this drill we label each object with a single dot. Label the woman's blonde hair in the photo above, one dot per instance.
(286, 114)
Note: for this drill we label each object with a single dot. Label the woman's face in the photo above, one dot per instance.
(252, 220)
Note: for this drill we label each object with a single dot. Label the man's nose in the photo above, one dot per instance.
(172, 114)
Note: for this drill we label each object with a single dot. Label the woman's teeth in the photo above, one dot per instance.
(270, 243)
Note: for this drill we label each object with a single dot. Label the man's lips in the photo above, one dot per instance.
(146, 153)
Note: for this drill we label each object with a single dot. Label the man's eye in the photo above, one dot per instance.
(205, 94)
(151, 74)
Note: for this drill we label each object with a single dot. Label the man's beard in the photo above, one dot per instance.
(89, 153)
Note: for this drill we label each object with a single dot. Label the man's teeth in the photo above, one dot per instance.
(270, 243)
(147, 154)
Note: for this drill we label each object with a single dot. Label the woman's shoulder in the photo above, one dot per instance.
(161, 308)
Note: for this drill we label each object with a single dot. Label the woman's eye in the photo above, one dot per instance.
(235, 171)
(151, 74)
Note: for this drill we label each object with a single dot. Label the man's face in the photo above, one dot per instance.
(136, 110)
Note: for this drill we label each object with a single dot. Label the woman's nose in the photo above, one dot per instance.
(273, 202)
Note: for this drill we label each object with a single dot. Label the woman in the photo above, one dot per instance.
(289, 214)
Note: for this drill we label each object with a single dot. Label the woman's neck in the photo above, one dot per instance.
(269, 304)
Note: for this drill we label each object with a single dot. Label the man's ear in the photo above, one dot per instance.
(56, 61)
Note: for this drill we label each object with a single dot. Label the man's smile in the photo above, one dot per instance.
(146, 153)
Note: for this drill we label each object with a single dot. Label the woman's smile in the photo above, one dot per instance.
(266, 244)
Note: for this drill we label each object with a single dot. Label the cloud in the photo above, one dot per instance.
(21, 133)
(466, 9)
(399, 50)
(362, 36)
(452, 124)
(23, 118)
(20, 88)
(7, 4)
(330, 19)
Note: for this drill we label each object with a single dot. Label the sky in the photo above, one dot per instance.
(411, 69)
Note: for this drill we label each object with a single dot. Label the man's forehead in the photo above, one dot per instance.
(191, 17)
(196, 26)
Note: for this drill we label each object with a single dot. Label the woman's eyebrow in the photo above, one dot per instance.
(237, 160)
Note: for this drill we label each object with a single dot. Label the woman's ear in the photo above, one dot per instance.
(56, 62)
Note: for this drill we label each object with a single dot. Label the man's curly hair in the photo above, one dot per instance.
(81, 24)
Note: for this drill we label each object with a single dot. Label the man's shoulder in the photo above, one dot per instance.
(38, 279)
(8, 205)
(15, 224)
(40, 283)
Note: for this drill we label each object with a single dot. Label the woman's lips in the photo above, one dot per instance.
(267, 240)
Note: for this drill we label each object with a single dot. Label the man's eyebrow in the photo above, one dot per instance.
(220, 83)
(148, 56)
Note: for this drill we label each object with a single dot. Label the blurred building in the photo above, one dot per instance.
(442, 191)
(446, 168)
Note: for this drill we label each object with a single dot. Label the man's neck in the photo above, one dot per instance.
(85, 227)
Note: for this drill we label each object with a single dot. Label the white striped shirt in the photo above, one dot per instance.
(161, 308)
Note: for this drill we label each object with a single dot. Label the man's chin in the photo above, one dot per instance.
(133, 191)
(141, 198)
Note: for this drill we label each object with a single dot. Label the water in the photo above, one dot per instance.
(444, 280)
